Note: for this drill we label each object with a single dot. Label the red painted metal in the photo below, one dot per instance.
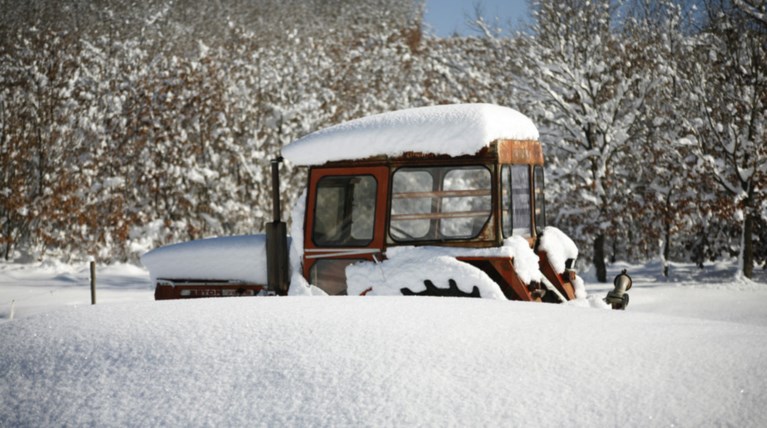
(167, 290)
(313, 252)
(501, 270)
(562, 282)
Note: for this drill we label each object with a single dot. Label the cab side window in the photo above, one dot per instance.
(540, 200)
(520, 200)
(440, 203)
(516, 203)
(345, 211)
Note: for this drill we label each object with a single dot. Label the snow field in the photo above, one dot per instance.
(27, 289)
(377, 361)
(382, 360)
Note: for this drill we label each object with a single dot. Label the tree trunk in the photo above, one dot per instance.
(748, 250)
(599, 258)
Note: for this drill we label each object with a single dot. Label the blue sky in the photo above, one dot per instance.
(444, 17)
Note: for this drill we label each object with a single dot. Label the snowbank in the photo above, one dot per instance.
(377, 362)
(460, 129)
(389, 277)
(409, 267)
(299, 286)
(241, 258)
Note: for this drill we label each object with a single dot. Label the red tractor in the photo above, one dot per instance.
(444, 200)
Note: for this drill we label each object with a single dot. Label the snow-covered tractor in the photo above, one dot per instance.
(444, 200)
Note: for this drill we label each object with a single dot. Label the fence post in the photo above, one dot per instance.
(93, 282)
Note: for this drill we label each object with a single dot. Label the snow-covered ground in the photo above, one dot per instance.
(688, 352)
(27, 289)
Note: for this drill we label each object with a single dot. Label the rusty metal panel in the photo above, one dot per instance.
(488, 155)
(527, 152)
(501, 270)
(501, 151)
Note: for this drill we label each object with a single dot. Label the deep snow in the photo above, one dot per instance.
(688, 353)
(243, 258)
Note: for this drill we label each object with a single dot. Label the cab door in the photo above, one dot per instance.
(345, 218)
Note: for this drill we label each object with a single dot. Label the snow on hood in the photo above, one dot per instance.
(457, 129)
(240, 258)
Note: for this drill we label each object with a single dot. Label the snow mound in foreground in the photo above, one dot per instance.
(455, 130)
(385, 361)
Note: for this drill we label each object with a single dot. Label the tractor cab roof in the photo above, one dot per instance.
(456, 130)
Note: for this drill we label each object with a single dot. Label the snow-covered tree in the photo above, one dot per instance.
(665, 197)
(124, 128)
(728, 83)
(586, 86)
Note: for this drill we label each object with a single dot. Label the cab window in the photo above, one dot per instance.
(439, 203)
(540, 202)
(515, 206)
(344, 214)
(330, 275)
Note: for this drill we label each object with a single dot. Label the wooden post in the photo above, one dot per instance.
(93, 283)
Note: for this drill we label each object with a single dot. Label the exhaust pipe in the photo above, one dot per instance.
(276, 240)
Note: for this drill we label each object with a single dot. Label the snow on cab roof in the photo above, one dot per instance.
(455, 130)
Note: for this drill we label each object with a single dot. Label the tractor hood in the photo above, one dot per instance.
(240, 258)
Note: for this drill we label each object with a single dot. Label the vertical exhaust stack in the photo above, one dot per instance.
(276, 240)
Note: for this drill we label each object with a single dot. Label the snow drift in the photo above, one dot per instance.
(408, 267)
(377, 362)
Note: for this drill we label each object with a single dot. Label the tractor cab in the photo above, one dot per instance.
(395, 181)
(356, 210)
